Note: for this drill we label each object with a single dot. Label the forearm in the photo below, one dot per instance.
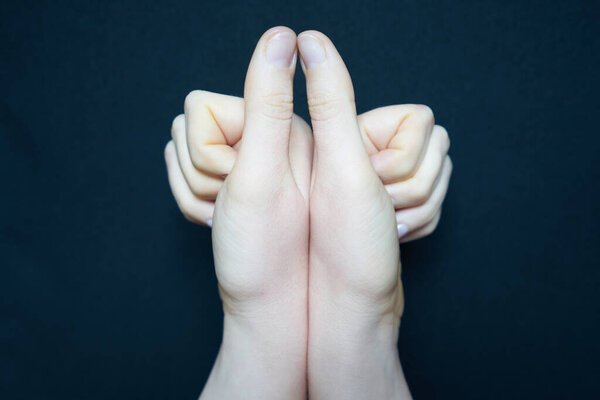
(352, 352)
(263, 354)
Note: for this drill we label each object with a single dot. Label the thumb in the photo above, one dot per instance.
(331, 103)
(268, 98)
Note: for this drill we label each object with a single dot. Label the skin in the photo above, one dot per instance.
(283, 200)
(416, 179)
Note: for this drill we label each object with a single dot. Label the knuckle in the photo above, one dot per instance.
(205, 188)
(178, 124)
(185, 207)
(445, 139)
(428, 230)
(203, 192)
(278, 106)
(199, 188)
(426, 113)
(419, 193)
(430, 212)
(402, 164)
(199, 154)
(194, 99)
(207, 159)
(407, 164)
(189, 212)
(204, 157)
(423, 112)
(432, 226)
(321, 110)
(324, 106)
(168, 150)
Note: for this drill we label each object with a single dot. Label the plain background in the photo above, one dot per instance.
(106, 291)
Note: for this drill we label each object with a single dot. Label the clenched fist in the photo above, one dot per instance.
(203, 151)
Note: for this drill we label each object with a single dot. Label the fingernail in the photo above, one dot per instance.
(311, 50)
(281, 49)
(209, 222)
(402, 230)
(394, 202)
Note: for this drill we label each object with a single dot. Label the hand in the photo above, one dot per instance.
(355, 293)
(205, 151)
(406, 151)
(260, 226)
(409, 154)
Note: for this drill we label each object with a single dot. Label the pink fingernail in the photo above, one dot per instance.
(281, 49)
(402, 230)
(311, 50)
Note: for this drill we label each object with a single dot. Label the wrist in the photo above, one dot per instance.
(354, 359)
(263, 350)
(353, 337)
(279, 328)
(259, 359)
(347, 328)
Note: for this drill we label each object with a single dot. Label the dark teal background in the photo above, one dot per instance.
(107, 292)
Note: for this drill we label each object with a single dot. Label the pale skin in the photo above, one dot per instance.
(306, 223)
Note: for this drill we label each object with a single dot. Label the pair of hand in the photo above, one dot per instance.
(306, 224)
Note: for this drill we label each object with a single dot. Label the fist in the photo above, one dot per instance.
(243, 167)
(409, 153)
(204, 146)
